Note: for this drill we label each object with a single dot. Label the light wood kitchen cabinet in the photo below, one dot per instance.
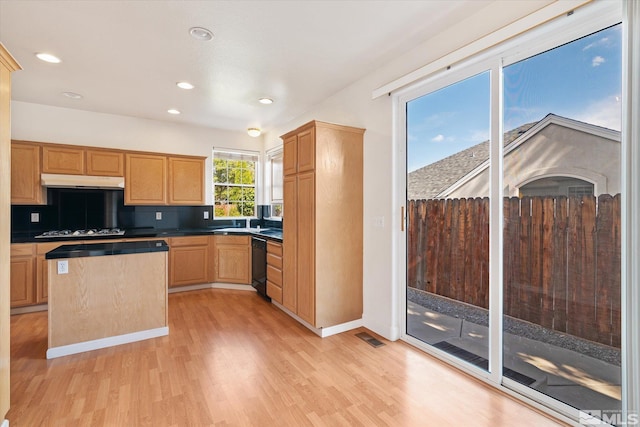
(274, 271)
(62, 159)
(188, 260)
(186, 181)
(145, 179)
(22, 275)
(25, 174)
(232, 259)
(322, 253)
(42, 280)
(290, 155)
(105, 162)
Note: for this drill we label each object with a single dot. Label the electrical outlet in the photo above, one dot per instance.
(206, 215)
(63, 267)
(35, 217)
(378, 221)
(158, 216)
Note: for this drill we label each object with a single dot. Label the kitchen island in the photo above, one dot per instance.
(106, 294)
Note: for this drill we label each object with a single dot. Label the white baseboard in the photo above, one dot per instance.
(321, 332)
(66, 350)
(212, 286)
(5, 423)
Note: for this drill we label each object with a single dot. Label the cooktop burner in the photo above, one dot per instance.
(82, 233)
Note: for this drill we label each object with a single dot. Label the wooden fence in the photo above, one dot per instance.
(561, 259)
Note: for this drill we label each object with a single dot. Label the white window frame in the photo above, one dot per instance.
(566, 28)
(238, 155)
(274, 153)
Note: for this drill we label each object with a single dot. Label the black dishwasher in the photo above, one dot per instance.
(259, 266)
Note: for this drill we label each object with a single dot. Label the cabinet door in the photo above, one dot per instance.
(42, 280)
(145, 179)
(63, 160)
(186, 181)
(306, 258)
(306, 150)
(22, 284)
(25, 174)
(233, 261)
(188, 265)
(289, 244)
(290, 155)
(105, 163)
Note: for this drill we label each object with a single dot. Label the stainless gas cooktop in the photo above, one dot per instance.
(81, 233)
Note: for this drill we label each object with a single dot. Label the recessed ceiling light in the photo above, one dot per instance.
(173, 111)
(201, 34)
(184, 85)
(47, 57)
(265, 101)
(72, 95)
(254, 132)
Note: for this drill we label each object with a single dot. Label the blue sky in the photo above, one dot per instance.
(580, 80)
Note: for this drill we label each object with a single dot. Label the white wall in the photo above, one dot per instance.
(44, 123)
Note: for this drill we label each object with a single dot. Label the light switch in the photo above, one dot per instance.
(158, 216)
(35, 217)
(63, 267)
(378, 221)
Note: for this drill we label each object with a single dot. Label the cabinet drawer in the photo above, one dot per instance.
(189, 241)
(274, 248)
(274, 291)
(232, 240)
(22, 249)
(274, 275)
(274, 260)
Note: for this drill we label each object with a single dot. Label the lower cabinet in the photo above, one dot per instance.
(188, 260)
(232, 259)
(22, 275)
(42, 279)
(274, 271)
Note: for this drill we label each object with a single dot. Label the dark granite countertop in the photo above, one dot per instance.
(102, 249)
(269, 233)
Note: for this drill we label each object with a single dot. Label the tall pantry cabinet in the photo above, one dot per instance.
(322, 221)
(7, 66)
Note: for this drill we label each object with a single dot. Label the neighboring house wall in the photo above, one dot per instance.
(553, 150)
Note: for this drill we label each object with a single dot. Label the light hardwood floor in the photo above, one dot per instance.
(232, 359)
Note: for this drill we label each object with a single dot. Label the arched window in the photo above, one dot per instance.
(557, 186)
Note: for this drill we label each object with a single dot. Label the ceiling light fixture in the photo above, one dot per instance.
(185, 85)
(254, 132)
(200, 33)
(72, 95)
(47, 57)
(173, 111)
(265, 101)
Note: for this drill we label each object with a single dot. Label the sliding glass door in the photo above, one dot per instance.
(448, 223)
(562, 204)
(514, 193)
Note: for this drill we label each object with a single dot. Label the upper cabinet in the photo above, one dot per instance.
(63, 160)
(105, 162)
(150, 178)
(145, 179)
(25, 174)
(156, 179)
(186, 181)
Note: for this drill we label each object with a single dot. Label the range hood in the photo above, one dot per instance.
(81, 181)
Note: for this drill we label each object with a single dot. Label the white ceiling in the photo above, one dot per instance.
(125, 57)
